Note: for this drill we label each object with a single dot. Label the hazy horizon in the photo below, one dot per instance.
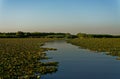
(68, 16)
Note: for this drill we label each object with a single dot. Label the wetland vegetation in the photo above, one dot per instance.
(20, 58)
(109, 45)
(21, 52)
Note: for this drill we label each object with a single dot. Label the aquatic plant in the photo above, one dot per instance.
(20, 58)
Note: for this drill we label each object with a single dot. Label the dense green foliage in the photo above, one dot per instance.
(110, 45)
(20, 58)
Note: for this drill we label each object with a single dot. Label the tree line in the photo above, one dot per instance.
(21, 34)
(84, 35)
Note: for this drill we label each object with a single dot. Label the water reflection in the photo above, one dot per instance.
(77, 63)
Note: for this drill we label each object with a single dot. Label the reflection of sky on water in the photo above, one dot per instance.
(75, 63)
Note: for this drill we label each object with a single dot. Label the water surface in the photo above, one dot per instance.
(77, 63)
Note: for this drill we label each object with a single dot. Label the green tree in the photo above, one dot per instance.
(82, 35)
(20, 34)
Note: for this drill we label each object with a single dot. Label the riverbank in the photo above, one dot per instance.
(109, 45)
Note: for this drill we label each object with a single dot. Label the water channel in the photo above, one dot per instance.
(77, 63)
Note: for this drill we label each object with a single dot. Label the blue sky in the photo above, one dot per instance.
(88, 16)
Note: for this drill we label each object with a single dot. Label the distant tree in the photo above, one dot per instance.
(20, 34)
(68, 35)
(82, 35)
(27, 34)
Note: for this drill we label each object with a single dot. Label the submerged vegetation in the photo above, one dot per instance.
(110, 45)
(20, 58)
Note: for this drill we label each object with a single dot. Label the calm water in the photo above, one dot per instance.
(76, 63)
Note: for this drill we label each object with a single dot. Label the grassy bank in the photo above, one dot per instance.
(21, 58)
(110, 45)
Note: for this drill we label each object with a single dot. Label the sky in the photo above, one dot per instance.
(73, 16)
